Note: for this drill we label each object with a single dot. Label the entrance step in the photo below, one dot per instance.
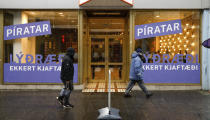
(103, 87)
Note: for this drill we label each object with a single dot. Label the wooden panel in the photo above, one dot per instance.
(1, 47)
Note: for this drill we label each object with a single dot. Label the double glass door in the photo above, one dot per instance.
(106, 52)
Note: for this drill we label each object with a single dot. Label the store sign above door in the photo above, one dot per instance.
(158, 29)
(97, 3)
(27, 30)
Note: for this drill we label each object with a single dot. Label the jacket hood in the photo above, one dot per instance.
(134, 54)
(70, 51)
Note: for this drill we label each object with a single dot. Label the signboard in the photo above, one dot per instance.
(104, 2)
(34, 70)
(129, 2)
(158, 29)
(81, 2)
(171, 73)
(27, 30)
(181, 69)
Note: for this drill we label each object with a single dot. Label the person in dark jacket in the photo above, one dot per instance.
(136, 73)
(67, 74)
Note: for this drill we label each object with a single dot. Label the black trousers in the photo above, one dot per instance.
(140, 83)
(66, 91)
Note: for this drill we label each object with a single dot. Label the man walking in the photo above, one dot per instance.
(67, 74)
(136, 73)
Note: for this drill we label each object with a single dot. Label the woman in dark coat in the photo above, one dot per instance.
(67, 74)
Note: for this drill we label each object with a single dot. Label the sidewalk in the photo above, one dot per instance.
(164, 105)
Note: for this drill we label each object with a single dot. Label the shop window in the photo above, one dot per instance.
(64, 28)
(184, 43)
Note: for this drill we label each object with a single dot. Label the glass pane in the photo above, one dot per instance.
(63, 27)
(184, 43)
(112, 26)
(115, 49)
(97, 50)
(98, 72)
(116, 72)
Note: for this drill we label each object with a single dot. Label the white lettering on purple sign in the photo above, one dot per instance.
(27, 30)
(158, 29)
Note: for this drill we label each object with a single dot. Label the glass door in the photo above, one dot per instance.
(106, 52)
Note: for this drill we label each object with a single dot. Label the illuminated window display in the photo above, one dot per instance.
(183, 43)
(64, 34)
(43, 51)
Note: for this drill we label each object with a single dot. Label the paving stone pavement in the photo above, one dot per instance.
(164, 105)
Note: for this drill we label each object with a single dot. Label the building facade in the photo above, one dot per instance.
(103, 36)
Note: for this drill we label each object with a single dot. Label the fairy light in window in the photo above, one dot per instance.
(193, 44)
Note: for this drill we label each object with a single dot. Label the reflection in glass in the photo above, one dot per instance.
(98, 72)
(64, 28)
(184, 43)
(115, 50)
(97, 50)
(116, 72)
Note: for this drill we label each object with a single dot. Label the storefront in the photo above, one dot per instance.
(103, 39)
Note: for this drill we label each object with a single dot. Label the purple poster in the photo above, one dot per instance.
(27, 30)
(35, 73)
(158, 29)
(172, 73)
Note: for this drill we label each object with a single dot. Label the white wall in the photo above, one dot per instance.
(17, 42)
(74, 4)
(205, 52)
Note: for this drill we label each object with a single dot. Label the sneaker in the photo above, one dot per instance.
(60, 100)
(68, 105)
(149, 95)
(127, 95)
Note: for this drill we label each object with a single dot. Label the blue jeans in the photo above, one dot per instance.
(140, 83)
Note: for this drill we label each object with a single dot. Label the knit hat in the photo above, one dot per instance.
(139, 50)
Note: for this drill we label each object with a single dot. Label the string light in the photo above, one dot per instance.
(192, 53)
(193, 44)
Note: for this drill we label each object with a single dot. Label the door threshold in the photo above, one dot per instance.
(103, 87)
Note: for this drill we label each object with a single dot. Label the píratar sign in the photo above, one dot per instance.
(158, 29)
(27, 30)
